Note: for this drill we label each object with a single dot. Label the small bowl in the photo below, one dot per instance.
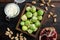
(10, 7)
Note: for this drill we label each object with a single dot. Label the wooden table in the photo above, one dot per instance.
(4, 24)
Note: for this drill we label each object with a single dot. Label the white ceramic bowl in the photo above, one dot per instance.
(19, 1)
(12, 10)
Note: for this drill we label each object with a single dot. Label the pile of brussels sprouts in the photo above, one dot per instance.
(30, 21)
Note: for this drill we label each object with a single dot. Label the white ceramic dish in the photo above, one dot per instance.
(19, 1)
(12, 10)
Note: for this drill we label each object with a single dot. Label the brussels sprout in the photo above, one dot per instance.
(24, 18)
(39, 17)
(31, 21)
(40, 12)
(34, 19)
(30, 31)
(22, 23)
(35, 14)
(37, 24)
(27, 22)
(28, 14)
(33, 9)
(35, 29)
(32, 27)
(28, 8)
(24, 28)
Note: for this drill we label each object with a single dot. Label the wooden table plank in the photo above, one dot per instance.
(6, 0)
(54, 0)
(27, 0)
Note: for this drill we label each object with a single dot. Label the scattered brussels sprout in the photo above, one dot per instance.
(32, 27)
(34, 19)
(33, 9)
(24, 28)
(39, 17)
(28, 14)
(22, 23)
(24, 18)
(28, 8)
(37, 24)
(27, 22)
(30, 31)
(40, 12)
(35, 14)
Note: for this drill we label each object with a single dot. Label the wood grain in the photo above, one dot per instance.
(6, 1)
(54, 0)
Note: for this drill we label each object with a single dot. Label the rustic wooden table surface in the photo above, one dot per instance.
(12, 23)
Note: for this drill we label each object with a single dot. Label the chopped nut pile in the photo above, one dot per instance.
(47, 4)
(17, 37)
(52, 15)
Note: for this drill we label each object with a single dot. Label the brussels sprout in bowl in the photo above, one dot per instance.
(30, 20)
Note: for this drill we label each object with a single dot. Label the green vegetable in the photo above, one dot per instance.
(33, 9)
(28, 8)
(35, 14)
(37, 24)
(35, 29)
(31, 21)
(32, 27)
(39, 17)
(30, 31)
(34, 19)
(28, 14)
(24, 28)
(22, 23)
(24, 18)
(27, 22)
(40, 12)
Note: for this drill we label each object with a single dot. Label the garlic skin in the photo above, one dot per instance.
(12, 10)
